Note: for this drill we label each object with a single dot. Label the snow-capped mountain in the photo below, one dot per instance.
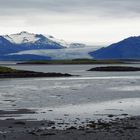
(30, 38)
(33, 40)
(29, 46)
(23, 41)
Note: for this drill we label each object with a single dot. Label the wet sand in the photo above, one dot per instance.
(119, 129)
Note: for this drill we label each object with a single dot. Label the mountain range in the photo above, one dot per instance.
(24, 41)
(29, 46)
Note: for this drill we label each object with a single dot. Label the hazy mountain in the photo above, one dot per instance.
(126, 49)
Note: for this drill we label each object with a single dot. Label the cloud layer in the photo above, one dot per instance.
(73, 20)
(97, 7)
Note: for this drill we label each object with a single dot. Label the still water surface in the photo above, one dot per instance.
(88, 95)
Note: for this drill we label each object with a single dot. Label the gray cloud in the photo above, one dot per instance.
(89, 21)
(95, 7)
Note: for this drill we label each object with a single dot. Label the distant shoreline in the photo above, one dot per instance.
(72, 62)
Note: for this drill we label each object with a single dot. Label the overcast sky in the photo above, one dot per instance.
(87, 21)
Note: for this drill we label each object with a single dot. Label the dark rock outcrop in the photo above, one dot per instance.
(6, 72)
(115, 68)
(25, 74)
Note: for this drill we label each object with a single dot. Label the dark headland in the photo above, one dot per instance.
(115, 68)
(6, 72)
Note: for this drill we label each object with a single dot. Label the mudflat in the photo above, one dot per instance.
(118, 129)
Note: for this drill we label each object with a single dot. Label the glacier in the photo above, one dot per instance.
(67, 53)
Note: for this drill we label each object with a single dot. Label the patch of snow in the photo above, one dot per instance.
(59, 41)
(77, 45)
(23, 37)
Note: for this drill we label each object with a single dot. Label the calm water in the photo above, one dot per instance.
(89, 95)
(75, 69)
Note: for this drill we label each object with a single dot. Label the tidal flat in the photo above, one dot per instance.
(94, 105)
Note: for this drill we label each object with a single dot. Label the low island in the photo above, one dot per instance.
(115, 69)
(6, 72)
(72, 62)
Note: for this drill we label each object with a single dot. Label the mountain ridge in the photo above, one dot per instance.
(128, 48)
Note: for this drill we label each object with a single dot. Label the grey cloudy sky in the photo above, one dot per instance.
(87, 21)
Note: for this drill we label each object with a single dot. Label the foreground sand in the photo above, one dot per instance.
(119, 129)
